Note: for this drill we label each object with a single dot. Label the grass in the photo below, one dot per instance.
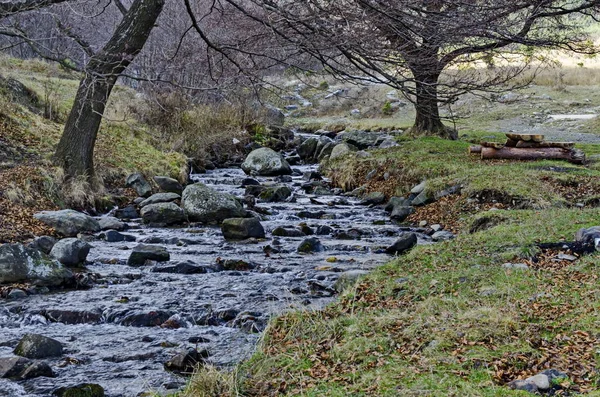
(446, 319)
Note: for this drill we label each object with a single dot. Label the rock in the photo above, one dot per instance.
(266, 162)
(312, 176)
(523, 385)
(340, 150)
(70, 251)
(81, 390)
(541, 381)
(162, 214)
(275, 194)
(153, 318)
(325, 152)
(442, 235)
(112, 236)
(403, 244)
(273, 116)
(388, 143)
(186, 362)
(360, 139)
(421, 199)
(69, 223)
(396, 202)
(516, 266)
(250, 182)
(37, 369)
(38, 346)
(306, 150)
(143, 252)
(589, 236)
(140, 184)
(348, 279)
(72, 316)
(566, 257)
(324, 230)
(186, 267)
(160, 198)
(16, 294)
(13, 367)
(242, 228)
(419, 188)
(111, 223)
(400, 213)
(374, 198)
(19, 263)
(43, 244)
(167, 184)
(310, 245)
(203, 204)
(287, 232)
(129, 212)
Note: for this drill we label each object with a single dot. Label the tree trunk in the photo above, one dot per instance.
(75, 151)
(427, 120)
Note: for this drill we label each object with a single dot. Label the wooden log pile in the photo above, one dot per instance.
(528, 147)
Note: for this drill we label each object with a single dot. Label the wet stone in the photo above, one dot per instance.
(143, 252)
(287, 232)
(81, 390)
(186, 362)
(112, 236)
(310, 245)
(43, 244)
(38, 346)
(186, 267)
(403, 244)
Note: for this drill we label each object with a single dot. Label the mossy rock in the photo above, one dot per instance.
(82, 390)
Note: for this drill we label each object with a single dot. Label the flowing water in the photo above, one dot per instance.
(109, 331)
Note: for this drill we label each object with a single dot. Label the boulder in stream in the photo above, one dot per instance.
(69, 222)
(111, 223)
(43, 243)
(80, 390)
(23, 368)
(204, 204)
(275, 194)
(160, 198)
(19, 263)
(143, 252)
(70, 251)
(162, 214)
(310, 245)
(266, 162)
(242, 228)
(38, 346)
(186, 362)
(167, 184)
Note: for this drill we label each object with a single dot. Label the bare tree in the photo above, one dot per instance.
(419, 47)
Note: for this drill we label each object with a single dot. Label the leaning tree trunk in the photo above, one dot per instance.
(75, 151)
(427, 120)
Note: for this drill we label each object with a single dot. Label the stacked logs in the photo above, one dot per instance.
(528, 147)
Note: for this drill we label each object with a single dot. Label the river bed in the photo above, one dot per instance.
(111, 339)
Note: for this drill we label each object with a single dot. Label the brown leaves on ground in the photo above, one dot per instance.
(449, 211)
(20, 197)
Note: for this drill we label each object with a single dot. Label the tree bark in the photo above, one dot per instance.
(511, 153)
(75, 151)
(427, 120)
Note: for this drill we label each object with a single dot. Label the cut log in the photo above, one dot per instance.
(563, 145)
(509, 153)
(495, 145)
(511, 143)
(475, 149)
(526, 137)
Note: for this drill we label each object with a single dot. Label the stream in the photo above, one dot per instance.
(109, 330)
